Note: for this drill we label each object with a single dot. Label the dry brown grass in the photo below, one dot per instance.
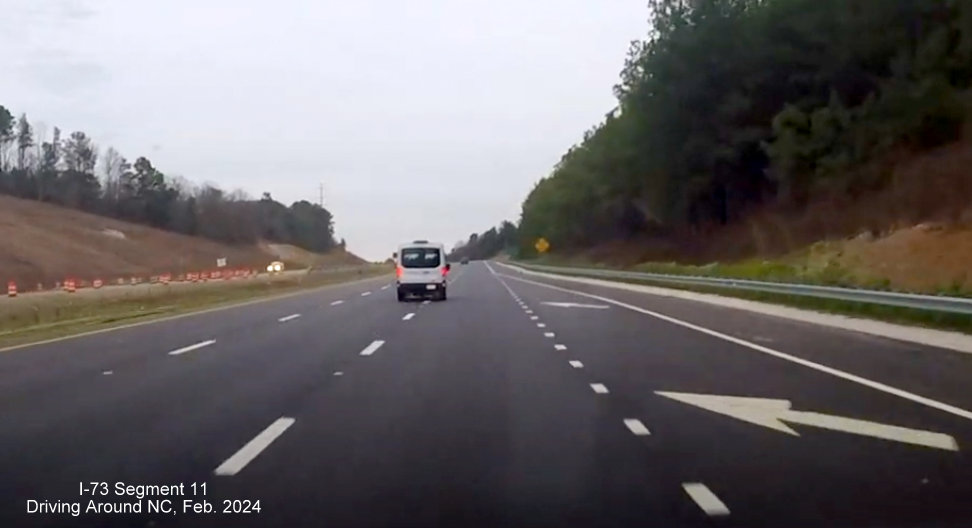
(43, 243)
(914, 233)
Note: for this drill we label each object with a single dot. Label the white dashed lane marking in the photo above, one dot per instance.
(385, 287)
(108, 372)
(370, 349)
(560, 347)
(636, 427)
(338, 373)
(576, 364)
(599, 388)
(254, 447)
(365, 294)
(548, 334)
(335, 303)
(706, 500)
(190, 348)
(288, 318)
(408, 316)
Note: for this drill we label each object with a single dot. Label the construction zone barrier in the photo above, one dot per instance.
(11, 289)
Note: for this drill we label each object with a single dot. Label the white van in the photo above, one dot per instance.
(421, 269)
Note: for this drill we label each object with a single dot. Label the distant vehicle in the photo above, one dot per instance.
(465, 260)
(275, 267)
(421, 270)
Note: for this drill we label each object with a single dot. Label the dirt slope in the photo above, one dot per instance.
(294, 255)
(44, 243)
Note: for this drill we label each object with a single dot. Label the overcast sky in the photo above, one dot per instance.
(422, 118)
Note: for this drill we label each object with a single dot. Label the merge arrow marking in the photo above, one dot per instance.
(771, 413)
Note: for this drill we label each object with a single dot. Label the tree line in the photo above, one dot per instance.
(487, 244)
(66, 171)
(730, 104)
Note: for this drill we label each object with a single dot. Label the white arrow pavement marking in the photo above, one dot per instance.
(288, 318)
(190, 348)
(576, 305)
(370, 349)
(254, 447)
(772, 413)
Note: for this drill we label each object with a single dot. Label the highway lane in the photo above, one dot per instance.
(823, 477)
(512, 404)
(157, 414)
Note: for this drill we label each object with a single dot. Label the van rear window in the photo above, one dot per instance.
(421, 258)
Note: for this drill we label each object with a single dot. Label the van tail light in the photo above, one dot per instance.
(399, 271)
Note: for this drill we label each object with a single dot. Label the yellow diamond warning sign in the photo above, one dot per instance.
(542, 245)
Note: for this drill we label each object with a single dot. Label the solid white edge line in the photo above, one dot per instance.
(253, 448)
(876, 385)
(576, 364)
(708, 501)
(190, 348)
(950, 340)
(408, 316)
(560, 347)
(288, 318)
(599, 388)
(636, 427)
(370, 349)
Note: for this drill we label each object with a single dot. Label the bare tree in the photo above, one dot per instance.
(113, 166)
(25, 140)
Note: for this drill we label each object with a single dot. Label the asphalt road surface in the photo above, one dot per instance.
(518, 402)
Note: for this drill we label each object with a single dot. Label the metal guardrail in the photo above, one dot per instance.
(958, 305)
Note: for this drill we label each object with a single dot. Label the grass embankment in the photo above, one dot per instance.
(30, 318)
(765, 270)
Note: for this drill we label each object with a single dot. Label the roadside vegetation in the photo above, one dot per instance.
(36, 317)
(788, 140)
(71, 171)
(733, 105)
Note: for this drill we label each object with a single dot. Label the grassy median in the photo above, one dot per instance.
(35, 317)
